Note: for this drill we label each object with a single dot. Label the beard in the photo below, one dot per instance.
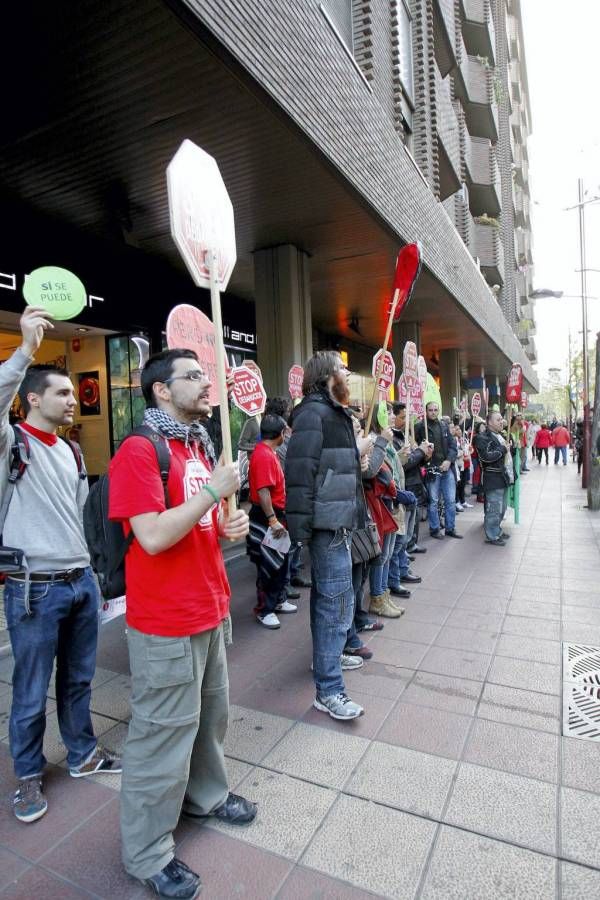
(340, 390)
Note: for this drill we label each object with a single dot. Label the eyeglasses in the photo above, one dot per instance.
(192, 375)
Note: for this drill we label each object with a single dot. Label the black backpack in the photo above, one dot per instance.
(106, 542)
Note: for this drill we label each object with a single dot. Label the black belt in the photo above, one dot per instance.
(67, 575)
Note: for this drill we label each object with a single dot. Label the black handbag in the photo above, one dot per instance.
(365, 544)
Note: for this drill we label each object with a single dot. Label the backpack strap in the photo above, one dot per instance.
(76, 451)
(20, 456)
(163, 455)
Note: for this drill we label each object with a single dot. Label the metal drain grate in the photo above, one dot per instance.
(581, 691)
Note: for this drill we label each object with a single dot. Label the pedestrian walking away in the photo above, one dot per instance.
(560, 441)
(177, 625)
(322, 473)
(440, 478)
(51, 597)
(543, 440)
(496, 462)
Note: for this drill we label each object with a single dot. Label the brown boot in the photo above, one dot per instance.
(380, 606)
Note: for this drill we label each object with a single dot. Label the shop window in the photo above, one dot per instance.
(126, 401)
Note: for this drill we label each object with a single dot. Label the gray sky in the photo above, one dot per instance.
(562, 52)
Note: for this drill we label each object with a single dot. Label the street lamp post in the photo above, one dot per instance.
(586, 374)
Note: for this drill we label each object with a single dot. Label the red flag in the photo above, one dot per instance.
(408, 268)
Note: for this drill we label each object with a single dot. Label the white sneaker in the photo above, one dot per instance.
(339, 706)
(351, 662)
(460, 507)
(269, 621)
(468, 505)
(286, 607)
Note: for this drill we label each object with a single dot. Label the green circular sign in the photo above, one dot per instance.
(57, 290)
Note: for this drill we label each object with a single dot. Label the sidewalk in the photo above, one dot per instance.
(456, 783)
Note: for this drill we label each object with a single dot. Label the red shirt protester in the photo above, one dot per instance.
(560, 437)
(265, 472)
(183, 590)
(543, 438)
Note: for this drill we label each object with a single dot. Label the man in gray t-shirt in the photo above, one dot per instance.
(51, 603)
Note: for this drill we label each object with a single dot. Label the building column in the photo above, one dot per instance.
(450, 389)
(283, 313)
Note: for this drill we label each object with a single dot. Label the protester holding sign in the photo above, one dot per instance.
(440, 479)
(496, 461)
(177, 612)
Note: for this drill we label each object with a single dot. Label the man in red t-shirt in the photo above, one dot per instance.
(177, 603)
(267, 516)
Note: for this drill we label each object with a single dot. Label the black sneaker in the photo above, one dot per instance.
(29, 804)
(235, 810)
(298, 581)
(500, 542)
(175, 881)
(437, 535)
(454, 534)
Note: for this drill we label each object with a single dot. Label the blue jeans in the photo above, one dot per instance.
(558, 452)
(359, 575)
(399, 561)
(331, 606)
(379, 568)
(445, 483)
(64, 625)
(295, 561)
(494, 510)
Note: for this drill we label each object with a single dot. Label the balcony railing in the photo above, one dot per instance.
(490, 252)
(485, 183)
(478, 29)
(449, 138)
(445, 35)
(480, 106)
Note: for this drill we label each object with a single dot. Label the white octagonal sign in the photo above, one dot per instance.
(201, 214)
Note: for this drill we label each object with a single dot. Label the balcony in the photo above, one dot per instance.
(522, 293)
(521, 207)
(531, 351)
(513, 36)
(478, 29)
(524, 256)
(516, 122)
(485, 178)
(448, 138)
(476, 89)
(487, 244)
(465, 140)
(444, 35)
(514, 70)
(459, 214)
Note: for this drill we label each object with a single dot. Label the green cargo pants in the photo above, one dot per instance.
(174, 756)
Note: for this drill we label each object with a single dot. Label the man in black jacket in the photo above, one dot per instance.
(419, 457)
(322, 474)
(496, 462)
(437, 434)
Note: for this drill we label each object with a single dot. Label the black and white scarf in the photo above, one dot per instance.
(171, 428)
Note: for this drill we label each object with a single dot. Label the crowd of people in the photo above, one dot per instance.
(318, 476)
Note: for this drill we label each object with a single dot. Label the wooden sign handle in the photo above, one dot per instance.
(382, 360)
(215, 300)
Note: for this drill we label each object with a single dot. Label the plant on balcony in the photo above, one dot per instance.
(484, 219)
(523, 327)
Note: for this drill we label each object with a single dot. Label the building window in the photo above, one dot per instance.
(340, 15)
(402, 28)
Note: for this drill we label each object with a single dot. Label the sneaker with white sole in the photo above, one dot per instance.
(351, 662)
(29, 803)
(339, 706)
(269, 621)
(286, 607)
(468, 505)
(101, 762)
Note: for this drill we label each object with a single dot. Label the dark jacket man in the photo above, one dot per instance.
(322, 469)
(449, 448)
(491, 454)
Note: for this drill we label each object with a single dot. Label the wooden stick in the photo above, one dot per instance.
(381, 361)
(215, 300)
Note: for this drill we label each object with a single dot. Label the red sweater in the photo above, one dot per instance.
(560, 437)
(543, 438)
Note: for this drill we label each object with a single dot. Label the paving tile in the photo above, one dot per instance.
(317, 755)
(273, 692)
(518, 750)
(533, 610)
(581, 764)
(471, 867)
(6, 669)
(112, 698)
(483, 604)
(581, 598)
(538, 628)
(39, 883)
(377, 709)
(509, 807)
(379, 679)
(306, 884)
(466, 639)
(90, 857)
(236, 771)
(251, 733)
(520, 673)
(581, 634)
(458, 695)
(530, 709)
(424, 612)
(415, 782)
(580, 826)
(71, 802)
(397, 653)
(582, 584)
(578, 882)
(582, 614)
(476, 621)
(398, 841)
(231, 868)
(461, 663)
(435, 731)
(428, 593)
(520, 647)
(406, 629)
(11, 867)
(289, 812)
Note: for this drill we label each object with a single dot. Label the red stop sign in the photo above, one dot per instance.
(386, 369)
(476, 404)
(295, 379)
(248, 392)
